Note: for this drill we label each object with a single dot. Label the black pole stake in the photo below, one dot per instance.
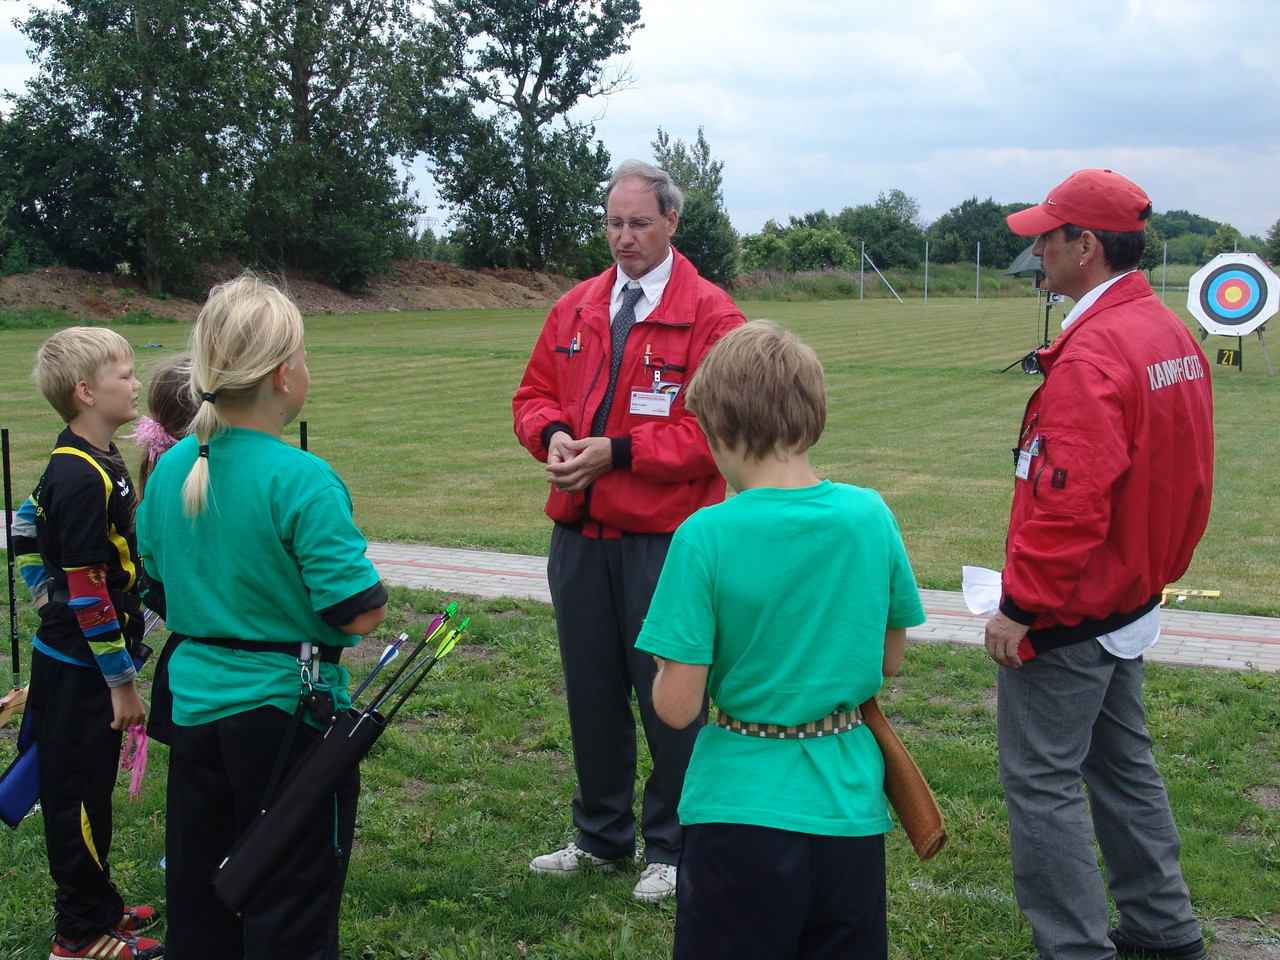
(8, 547)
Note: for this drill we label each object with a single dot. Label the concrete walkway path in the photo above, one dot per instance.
(1191, 637)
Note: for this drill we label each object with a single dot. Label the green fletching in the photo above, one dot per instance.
(449, 642)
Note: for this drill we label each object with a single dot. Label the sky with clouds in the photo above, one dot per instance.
(823, 104)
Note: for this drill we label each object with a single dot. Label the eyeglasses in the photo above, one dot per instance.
(637, 224)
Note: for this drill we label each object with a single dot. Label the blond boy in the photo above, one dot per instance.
(88, 646)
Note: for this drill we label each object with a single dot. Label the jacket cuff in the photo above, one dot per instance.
(621, 452)
(550, 430)
(1016, 613)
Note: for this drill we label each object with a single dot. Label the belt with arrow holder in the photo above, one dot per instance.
(292, 802)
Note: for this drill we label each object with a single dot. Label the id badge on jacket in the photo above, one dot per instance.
(1026, 455)
(656, 402)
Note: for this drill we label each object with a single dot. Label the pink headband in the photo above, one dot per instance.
(153, 437)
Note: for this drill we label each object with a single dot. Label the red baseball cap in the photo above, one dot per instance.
(1093, 199)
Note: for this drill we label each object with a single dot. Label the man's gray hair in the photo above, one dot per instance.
(670, 197)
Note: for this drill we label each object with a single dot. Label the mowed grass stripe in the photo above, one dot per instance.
(413, 410)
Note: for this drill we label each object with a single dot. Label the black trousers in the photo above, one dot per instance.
(218, 773)
(78, 762)
(758, 893)
(601, 591)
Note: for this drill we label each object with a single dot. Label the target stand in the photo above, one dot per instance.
(1233, 295)
(1030, 362)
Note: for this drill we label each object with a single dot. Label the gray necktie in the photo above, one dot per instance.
(622, 323)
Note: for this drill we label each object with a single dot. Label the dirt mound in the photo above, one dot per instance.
(431, 285)
(411, 285)
(86, 296)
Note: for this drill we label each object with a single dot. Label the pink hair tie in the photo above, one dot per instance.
(135, 758)
(153, 437)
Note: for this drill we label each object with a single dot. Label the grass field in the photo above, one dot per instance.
(414, 411)
(476, 776)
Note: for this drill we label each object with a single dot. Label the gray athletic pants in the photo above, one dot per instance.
(1076, 714)
(601, 590)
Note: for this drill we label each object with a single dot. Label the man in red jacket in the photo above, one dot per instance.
(1113, 474)
(601, 404)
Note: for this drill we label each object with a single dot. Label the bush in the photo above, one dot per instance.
(33, 318)
(46, 318)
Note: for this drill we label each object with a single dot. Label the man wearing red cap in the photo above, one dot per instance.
(1112, 481)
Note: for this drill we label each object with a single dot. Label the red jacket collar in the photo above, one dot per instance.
(1132, 286)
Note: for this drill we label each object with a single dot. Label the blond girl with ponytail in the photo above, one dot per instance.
(255, 552)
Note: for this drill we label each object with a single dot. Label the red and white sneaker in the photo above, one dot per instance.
(115, 944)
(139, 919)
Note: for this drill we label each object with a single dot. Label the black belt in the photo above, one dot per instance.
(328, 654)
(580, 526)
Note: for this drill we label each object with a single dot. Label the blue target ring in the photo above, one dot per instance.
(1234, 294)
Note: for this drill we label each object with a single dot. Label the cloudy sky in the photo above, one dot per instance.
(822, 104)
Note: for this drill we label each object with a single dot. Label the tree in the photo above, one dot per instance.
(903, 208)
(954, 236)
(58, 188)
(325, 97)
(1226, 239)
(1174, 223)
(706, 237)
(257, 128)
(812, 249)
(888, 228)
(764, 251)
(704, 234)
(333, 208)
(141, 89)
(817, 219)
(512, 69)
(1272, 251)
(1153, 252)
(1188, 248)
(488, 181)
(693, 168)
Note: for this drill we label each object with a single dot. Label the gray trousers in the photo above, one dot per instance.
(601, 590)
(1075, 714)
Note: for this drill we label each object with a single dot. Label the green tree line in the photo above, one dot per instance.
(160, 138)
(891, 235)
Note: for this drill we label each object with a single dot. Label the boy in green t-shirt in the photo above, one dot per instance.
(83, 671)
(788, 604)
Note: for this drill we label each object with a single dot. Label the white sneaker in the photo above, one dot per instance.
(569, 860)
(656, 883)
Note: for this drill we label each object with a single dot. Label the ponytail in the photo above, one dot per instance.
(245, 330)
(195, 489)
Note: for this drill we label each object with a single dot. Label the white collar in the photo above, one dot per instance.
(652, 283)
(1090, 298)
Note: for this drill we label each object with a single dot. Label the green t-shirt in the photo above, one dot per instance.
(786, 594)
(276, 545)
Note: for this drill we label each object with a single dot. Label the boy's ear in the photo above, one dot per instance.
(82, 393)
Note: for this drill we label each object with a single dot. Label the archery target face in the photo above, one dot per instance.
(1234, 294)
